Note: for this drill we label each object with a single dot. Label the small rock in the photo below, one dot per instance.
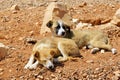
(83, 4)
(5, 19)
(21, 77)
(14, 12)
(3, 51)
(90, 61)
(96, 21)
(15, 7)
(116, 18)
(31, 32)
(98, 70)
(37, 79)
(83, 25)
(84, 75)
(117, 73)
(1, 70)
(30, 40)
(52, 75)
(10, 70)
(40, 76)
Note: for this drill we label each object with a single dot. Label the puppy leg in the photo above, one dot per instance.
(103, 45)
(62, 50)
(30, 62)
(68, 49)
(94, 50)
(34, 66)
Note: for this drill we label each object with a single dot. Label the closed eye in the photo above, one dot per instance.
(63, 27)
(58, 27)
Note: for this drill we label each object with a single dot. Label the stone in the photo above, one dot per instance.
(30, 40)
(117, 73)
(1, 70)
(40, 77)
(3, 51)
(15, 7)
(90, 61)
(116, 18)
(82, 4)
(83, 25)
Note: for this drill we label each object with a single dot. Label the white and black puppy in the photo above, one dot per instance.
(58, 28)
(91, 38)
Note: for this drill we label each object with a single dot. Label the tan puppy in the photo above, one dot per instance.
(52, 49)
(90, 38)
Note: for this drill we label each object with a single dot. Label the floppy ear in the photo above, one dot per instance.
(52, 52)
(67, 28)
(49, 24)
(37, 55)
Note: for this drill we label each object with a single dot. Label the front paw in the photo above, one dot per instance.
(94, 50)
(32, 67)
(26, 66)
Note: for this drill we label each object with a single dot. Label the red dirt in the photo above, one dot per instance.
(16, 27)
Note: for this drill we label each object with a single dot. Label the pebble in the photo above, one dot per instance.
(10, 70)
(5, 19)
(1, 70)
(40, 76)
(15, 7)
(117, 73)
(30, 40)
(37, 79)
(52, 75)
(90, 61)
(98, 70)
(3, 51)
(83, 4)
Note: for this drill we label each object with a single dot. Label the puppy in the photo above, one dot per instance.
(51, 49)
(91, 38)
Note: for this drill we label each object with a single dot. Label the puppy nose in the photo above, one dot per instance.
(63, 33)
(51, 67)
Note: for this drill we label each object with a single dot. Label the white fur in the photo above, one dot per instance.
(114, 51)
(48, 64)
(30, 64)
(41, 46)
(61, 28)
(34, 66)
(94, 50)
(102, 51)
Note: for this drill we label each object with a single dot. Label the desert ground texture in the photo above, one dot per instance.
(17, 26)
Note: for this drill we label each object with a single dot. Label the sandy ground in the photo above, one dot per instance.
(16, 27)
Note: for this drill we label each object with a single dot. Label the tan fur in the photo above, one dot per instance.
(93, 38)
(48, 49)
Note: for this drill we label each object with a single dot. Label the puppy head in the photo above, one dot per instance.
(45, 57)
(58, 28)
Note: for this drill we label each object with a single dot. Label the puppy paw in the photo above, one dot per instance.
(32, 67)
(102, 51)
(114, 51)
(26, 66)
(94, 50)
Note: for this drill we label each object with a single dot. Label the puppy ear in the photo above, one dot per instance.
(52, 52)
(49, 24)
(67, 28)
(37, 54)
